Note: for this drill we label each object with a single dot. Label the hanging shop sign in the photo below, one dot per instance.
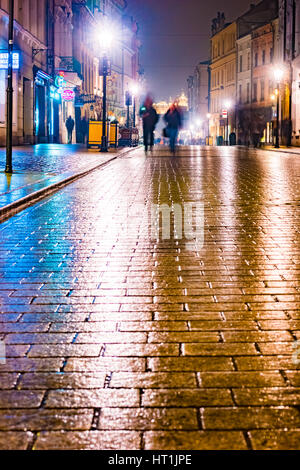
(68, 94)
(4, 60)
(224, 114)
(81, 100)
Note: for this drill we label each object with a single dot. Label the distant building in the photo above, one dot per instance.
(222, 78)
(198, 90)
(289, 37)
(257, 52)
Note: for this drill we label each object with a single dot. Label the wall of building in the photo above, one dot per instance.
(223, 80)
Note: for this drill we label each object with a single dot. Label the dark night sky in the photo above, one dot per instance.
(175, 36)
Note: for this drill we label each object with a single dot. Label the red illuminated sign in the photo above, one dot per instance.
(68, 95)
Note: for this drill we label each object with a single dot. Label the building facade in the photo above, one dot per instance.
(289, 37)
(57, 69)
(198, 90)
(222, 78)
(257, 53)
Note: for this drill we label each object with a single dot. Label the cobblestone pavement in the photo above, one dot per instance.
(115, 340)
(37, 167)
(49, 158)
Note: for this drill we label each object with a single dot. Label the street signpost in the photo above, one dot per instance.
(9, 99)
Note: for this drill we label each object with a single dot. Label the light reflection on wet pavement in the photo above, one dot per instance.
(118, 341)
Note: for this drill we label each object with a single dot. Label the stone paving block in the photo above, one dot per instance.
(153, 326)
(241, 379)
(140, 419)
(186, 337)
(187, 398)
(111, 338)
(250, 418)
(199, 440)
(279, 439)
(15, 440)
(219, 349)
(62, 350)
(42, 420)
(61, 380)
(141, 350)
(88, 440)
(194, 364)
(92, 399)
(20, 399)
(267, 396)
(7, 381)
(26, 364)
(38, 338)
(224, 325)
(265, 363)
(257, 336)
(106, 364)
(153, 380)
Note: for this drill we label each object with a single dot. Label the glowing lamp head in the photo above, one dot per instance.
(135, 89)
(106, 38)
(227, 104)
(278, 74)
(208, 115)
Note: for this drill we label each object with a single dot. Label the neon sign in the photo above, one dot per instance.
(4, 60)
(68, 95)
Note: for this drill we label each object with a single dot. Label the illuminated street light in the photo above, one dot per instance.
(106, 37)
(135, 91)
(228, 105)
(208, 126)
(278, 75)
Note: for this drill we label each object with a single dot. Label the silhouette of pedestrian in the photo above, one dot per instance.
(70, 127)
(150, 119)
(173, 119)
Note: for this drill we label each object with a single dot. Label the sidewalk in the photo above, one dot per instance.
(42, 168)
(283, 149)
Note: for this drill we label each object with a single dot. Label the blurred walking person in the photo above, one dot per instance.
(150, 119)
(70, 123)
(173, 119)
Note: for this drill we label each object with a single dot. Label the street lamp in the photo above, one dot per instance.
(278, 74)
(106, 38)
(227, 104)
(135, 90)
(208, 124)
(9, 91)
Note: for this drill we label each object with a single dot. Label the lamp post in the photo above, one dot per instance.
(135, 91)
(104, 144)
(278, 74)
(9, 99)
(105, 42)
(227, 107)
(208, 123)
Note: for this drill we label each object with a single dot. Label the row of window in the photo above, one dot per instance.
(261, 91)
(225, 75)
(223, 46)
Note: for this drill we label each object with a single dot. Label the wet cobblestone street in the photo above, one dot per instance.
(115, 340)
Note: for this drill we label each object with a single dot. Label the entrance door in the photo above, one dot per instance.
(40, 128)
(27, 112)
